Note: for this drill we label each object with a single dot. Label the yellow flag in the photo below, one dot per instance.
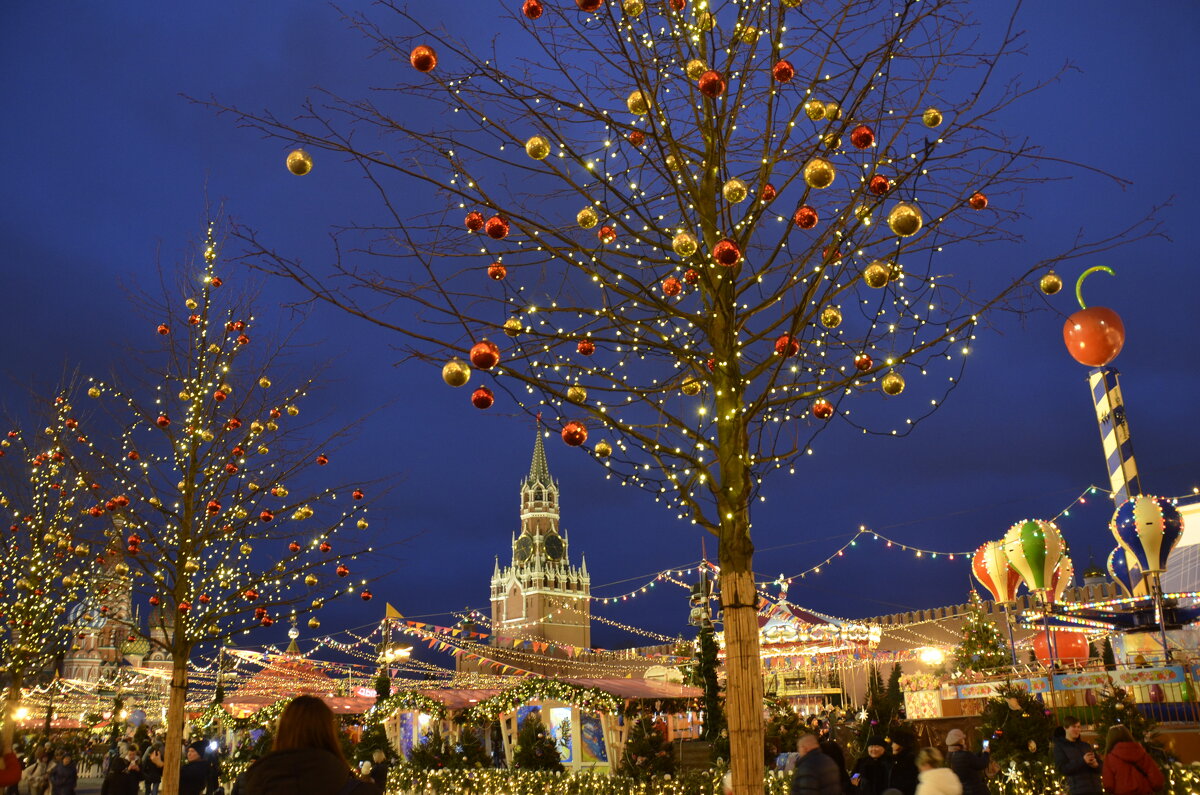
(391, 612)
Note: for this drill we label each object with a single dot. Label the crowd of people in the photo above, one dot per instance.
(895, 766)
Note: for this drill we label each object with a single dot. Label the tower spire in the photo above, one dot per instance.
(539, 470)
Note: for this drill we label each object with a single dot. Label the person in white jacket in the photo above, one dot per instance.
(934, 777)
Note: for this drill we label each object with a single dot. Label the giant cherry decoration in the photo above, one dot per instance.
(1094, 335)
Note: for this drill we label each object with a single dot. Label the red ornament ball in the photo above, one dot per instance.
(712, 84)
(219, 396)
(164, 329)
(366, 594)
(133, 455)
(637, 138)
(607, 235)
(266, 516)
(822, 409)
(193, 320)
(671, 287)
(231, 469)
(203, 598)
(267, 621)
(691, 276)
(216, 281)
(214, 506)
(1094, 336)
(574, 433)
(496, 227)
(485, 355)
(727, 253)
(532, 9)
(342, 570)
(482, 398)
(293, 547)
(787, 345)
(250, 594)
(783, 71)
(322, 460)
(497, 271)
(586, 347)
(863, 362)
(589, 5)
(474, 221)
(768, 193)
(678, 5)
(184, 607)
(806, 217)
(862, 137)
(163, 421)
(978, 201)
(423, 58)
(154, 600)
(357, 494)
(879, 185)
(325, 546)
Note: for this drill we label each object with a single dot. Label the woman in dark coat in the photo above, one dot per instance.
(306, 758)
(871, 771)
(63, 776)
(903, 774)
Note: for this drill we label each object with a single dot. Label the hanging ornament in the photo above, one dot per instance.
(589, 6)
(787, 346)
(685, 244)
(749, 35)
(482, 398)
(1149, 527)
(892, 383)
(299, 162)
(822, 409)
(695, 68)
(532, 9)
(312, 622)
(831, 140)
(905, 219)
(607, 235)
(806, 217)
(712, 84)
(767, 194)
(365, 595)
(833, 111)
(633, 8)
(831, 317)
(456, 372)
(1050, 283)
(691, 276)
(474, 221)
(932, 117)
(863, 362)
(574, 433)
(672, 287)
(164, 329)
(1094, 335)
(638, 103)
(672, 163)
(690, 386)
(819, 173)
(496, 271)
(512, 327)
(637, 138)
(585, 347)
(727, 253)
(879, 185)
(735, 191)
(783, 71)
(537, 147)
(978, 201)
(862, 137)
(602, 449)
(496, 227)
(423, 58)
(576, 394)
(342, 570)
(485, 355)
(587, 218)
(814, 109)
(877, 274)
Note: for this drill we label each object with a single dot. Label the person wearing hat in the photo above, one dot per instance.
(967, 765)
(870, 774)
(196, 772)
(903, 773)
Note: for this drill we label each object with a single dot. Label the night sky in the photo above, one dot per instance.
(107, 170)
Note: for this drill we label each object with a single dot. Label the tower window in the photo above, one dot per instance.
(539, 496)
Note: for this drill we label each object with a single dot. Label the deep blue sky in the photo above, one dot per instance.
(106, 168)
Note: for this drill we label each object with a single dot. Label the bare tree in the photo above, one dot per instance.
(694, 233)
(205, 478)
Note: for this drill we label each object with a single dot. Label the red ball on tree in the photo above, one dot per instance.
(862, 137)
(325, 546)
(727, 253)
(216, 281)
(322, 459)
(485, 355)
(607, 235)
(184, 607)
(423, 58)
(783, 71)
(343, 570)
(532, 9)
(365, 595)
(787, 345)
(219, 396)
(879, 185)
(231, 468)
(357, 494)
(863, 362)
(589, 5)
(671, 287)
(586, 347)
(637, 138)
(293, 547)
(203, 598)
(691, 276)
(155, 601)
(822, 409)
(768, 193)
(474, 221)
(266, 516)
(806, 217)
(163, 421)
(214, 506)
(978, 201)
(259, 612)
(164, 329)
(574, 433)
(497, 271)
(496, 227)
(133, 455)
(193, 320)
(678, 5)
(482, 398)
(712, 84)
(267, 621)
(233, 423)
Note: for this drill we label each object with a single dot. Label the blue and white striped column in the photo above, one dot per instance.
(1114, 434)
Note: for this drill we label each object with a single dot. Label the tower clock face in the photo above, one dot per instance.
(524, 549)
(554, 547)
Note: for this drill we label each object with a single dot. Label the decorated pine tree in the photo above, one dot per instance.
(1018, 726)
(470, 751)
(1116, 705)
(647, 752)
(691, 235)
(433, 752)
(982, 647)
(703, 674)
(198, 465)
(535, 748)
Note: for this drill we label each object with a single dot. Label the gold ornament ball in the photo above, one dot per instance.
(819, 173)
(695, 68)
(191, 566)
(815, 109)
(577, 394)
(831, 141)
(892, 383)
(750, 34)
(672, 163)
(638, 103)
(685, 244)
(735, 190)
(831, 317)
(246, 549)
(587, 218)
(905, 219)
(299, 162)
(690, 387)
(310, 580)
(833, 111)
(1051, 283)
(932, 117)
(877, 274)
(456, 372)
(93, 392)
(512, 327)
(706, 21)
(602, 449)
(537, 147)
(633, 8)
(791, 3)
(314, 623)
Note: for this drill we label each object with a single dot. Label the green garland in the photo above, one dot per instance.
(591, 699)
(404, 700)
(403, 778)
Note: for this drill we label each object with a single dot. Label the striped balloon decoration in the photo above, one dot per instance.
(1149, 527)
(1124, 570)
(991, 568)
(1061, 581)
(1034, 548)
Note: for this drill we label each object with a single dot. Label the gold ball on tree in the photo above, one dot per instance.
(310, 580)
(537, 147)
(690, 387)
(93, 392)
(833, 111)
(633, 8)
(819, 173)
(672, 163)
(456, 372)
(706, 21)
(602, 449)
(695, 68)
(876, 274)
(685, 244)
(314, 623)
(1050, 283)
(932, 117)
(735, 190)
(512, 327)
(587, 218)
(815, 109)
(905, 219)
(299, 162)
(831, 317)
(892, 383)
(638, 103)
(749, 34)
(577, 394)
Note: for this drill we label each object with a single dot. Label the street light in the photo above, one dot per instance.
(393, 654)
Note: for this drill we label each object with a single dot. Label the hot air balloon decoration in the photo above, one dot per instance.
(1034, 548)
(1149, 527)
(1124, 570)
(991, 567)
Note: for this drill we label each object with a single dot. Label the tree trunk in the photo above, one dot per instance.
(744, 687)
(11, 705)
(176, 717)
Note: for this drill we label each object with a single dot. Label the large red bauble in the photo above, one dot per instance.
(496, 228)
(1070, 648)
(474, 221)
(768, 193)
(342, 570)
(485, 355)
(783, 71)
(727, 253)
(163, 421)
(532, 9)
(863, 362)
(822, 409)
(589, 5)
(678, 5)
(1094, 336)
(862, 137)
(154, 600)
(637, 138)
(366, 594)
(586, 347)
(879, 184)
(712, 84)
(978, 201)
(423, 58)
(606, 235)
(787, 345)
(671, 287)
(574, 433)
(266, 516)
(214, 506)
(164, 329)
(203, 598)
(691, 276)
(293, 547)
(806, 217)
(325, 546)
(497, 271)
(482, 398)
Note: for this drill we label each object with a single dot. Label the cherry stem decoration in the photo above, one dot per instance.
(1084, 275)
